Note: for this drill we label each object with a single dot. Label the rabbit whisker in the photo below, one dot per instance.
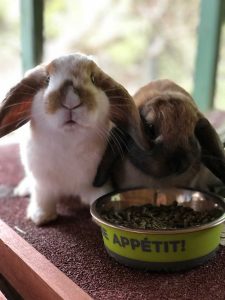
(29, 87)
(117, 141)
(15, 104)
(21, 121)
(17, 122)
(121, 138)
(111, 140)
(105, 135)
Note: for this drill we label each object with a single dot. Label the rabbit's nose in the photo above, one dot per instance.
(71, 100)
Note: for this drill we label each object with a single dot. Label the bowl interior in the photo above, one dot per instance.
(198, 201)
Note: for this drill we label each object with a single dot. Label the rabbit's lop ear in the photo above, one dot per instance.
(15, 109)
(213, 155)
(123, 111)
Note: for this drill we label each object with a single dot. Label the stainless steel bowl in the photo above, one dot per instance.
(164, 249)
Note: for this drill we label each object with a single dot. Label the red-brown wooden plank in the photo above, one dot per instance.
(30, 273)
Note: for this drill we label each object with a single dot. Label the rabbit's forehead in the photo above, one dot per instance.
(174, 119)
(72, 66)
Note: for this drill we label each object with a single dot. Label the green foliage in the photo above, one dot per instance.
(54, 10)
(135, 41)
(128, 50)
(9, 30)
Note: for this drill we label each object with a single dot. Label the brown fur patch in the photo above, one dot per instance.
(158, 88)
(55, 98)
(170, 109)
(87, 98)
(81, 72)
(175, 120)
(84, 68)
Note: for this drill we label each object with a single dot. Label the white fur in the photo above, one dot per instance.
(59, 159)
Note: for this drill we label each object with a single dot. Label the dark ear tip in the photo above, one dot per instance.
(99, 181)
(102, 175)
(201, 123)
(213, 155)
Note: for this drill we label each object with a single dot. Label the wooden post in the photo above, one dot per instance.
(31, 12)
(211, 16)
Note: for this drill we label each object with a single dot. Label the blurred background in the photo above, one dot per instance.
(133, 41)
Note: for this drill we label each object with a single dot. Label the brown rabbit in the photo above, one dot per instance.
(185, 149)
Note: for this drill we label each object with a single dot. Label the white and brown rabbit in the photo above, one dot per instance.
(185, 149)
(72, 105)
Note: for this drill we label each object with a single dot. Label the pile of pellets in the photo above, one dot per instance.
(160, 217)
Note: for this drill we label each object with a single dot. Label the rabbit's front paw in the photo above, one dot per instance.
(39, 215)
(22, 189)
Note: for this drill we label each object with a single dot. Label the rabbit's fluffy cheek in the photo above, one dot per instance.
(98, 114)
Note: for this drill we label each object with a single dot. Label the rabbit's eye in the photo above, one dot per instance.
(93, 78)
(150, 130)
(47, 79)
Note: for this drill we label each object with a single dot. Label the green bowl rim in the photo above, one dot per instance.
(97, 218)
